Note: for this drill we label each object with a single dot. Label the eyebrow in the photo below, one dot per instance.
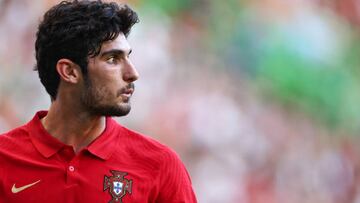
(115, 52)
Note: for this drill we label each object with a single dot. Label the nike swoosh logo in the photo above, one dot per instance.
(15, 189)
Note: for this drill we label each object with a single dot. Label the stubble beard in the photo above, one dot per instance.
(93, 99)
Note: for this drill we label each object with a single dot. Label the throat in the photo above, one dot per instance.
(76, 131)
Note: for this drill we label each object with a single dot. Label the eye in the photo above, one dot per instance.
(111, 60)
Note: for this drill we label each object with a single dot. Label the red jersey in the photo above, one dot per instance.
(119, 166)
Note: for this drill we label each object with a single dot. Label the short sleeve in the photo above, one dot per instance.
(174, 181)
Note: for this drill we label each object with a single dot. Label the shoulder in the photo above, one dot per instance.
(142, 148)
(173, 179)
(140, 138)
(142, 145)
(13, 138)
(13, 145)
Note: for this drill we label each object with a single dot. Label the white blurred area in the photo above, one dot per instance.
(239, 145)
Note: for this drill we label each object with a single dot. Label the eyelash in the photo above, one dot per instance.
(112, 60)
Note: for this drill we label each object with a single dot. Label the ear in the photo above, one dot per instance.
(68, 71)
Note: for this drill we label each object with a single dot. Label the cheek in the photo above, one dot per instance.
(109, 89)
(108, 79)
(106, 82)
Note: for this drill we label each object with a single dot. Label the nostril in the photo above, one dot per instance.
(131, 76)
(136, 74)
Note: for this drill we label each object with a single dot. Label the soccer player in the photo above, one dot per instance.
(75, 151)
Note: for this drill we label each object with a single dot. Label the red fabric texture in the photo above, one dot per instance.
(29, 154)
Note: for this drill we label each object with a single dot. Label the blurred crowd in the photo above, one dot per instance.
(259, 98)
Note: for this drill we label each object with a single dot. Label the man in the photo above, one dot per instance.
(75, 152)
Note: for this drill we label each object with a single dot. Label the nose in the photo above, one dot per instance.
(130, 74)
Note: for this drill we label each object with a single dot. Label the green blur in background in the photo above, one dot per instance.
(283, 56)
(260, 98)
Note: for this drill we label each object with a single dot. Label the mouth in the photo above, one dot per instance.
(127, 92)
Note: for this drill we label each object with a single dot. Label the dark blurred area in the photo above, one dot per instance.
(259, 98)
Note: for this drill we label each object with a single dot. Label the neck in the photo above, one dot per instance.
(72, 126)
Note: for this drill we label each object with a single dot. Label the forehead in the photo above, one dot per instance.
(119, 43)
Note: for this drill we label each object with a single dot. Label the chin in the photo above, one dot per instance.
(116, 110)
(123, 111)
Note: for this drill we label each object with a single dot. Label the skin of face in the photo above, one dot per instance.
(109, 83)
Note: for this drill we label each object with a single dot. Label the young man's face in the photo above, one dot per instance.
(109, 83)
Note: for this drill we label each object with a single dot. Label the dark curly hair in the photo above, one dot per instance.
(75, 30)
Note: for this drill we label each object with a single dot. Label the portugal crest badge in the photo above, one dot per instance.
(117, 185)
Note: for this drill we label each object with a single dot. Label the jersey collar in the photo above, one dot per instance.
(102, 147)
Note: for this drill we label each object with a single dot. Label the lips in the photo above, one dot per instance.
(127, 92)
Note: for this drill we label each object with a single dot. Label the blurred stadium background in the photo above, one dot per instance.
(260, 98)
